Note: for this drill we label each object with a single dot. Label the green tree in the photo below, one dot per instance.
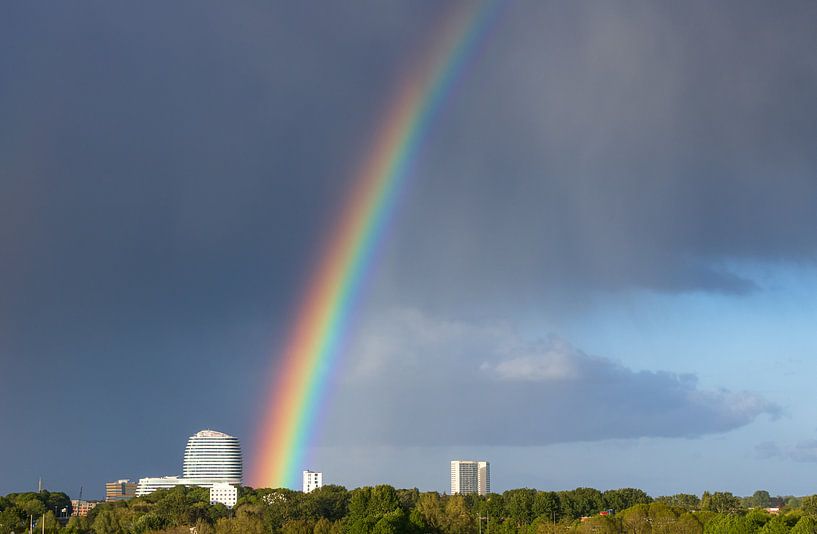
(77, 525)
(30, 504)
(729, 524)
(203, 527)
(519, 505)
(541, 525)
(809, 505)
(687, 523)
(330, 502)
(394, 522)
(758, 518)
(492, 506)
(181, 506)
(408, 498)
(792, 517)
(546, 505)
(244, 524)
(297, 526)
(721, 502)
(322, 526)
(806, 525)
(362, 525)
(106, 522)
(12, 519)
(600, 525)
(273, 507)
(776, 525)
(581, 502)
(428, 515)
(761, 499)
(383, 500)
(663, 519)
(636, 519)
(57, 502)
(621, 499)
(173, 530)
(359, 503)
(684, 501)
(147, 522)
(458, 519)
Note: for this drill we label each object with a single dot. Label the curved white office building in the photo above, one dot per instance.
(212, 455)
(148, 485)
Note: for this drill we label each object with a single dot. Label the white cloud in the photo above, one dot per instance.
(554, 360)
(427, 381)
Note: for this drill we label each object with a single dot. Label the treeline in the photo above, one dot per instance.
(386, 510)
(17, 508)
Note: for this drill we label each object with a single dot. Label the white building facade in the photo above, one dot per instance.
(148, 485)
(224, 493)
(213, 455)
(210, 458)
(312, 481)
(470, 477)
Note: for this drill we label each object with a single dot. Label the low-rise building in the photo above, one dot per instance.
(224, 493)
(121, 490)
(148, 485)
(81, 508)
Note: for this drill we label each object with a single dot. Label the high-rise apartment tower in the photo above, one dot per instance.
(470, 476)
(312, 481)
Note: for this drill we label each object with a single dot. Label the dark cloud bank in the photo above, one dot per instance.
(421, 381)
(617, 147)
(166, 170)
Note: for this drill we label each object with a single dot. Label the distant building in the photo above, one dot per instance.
(81, 508)
(148, 485)
(213, 456)
(226, 494)
(470, 477)
(312, 481)
(121, 490)
(210, 458)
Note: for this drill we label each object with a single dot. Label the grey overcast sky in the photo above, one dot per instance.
(603, 265)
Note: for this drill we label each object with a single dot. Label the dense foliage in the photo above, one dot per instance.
(385, 510)
(16, 509)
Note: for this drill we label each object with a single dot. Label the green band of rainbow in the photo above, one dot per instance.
(314, 341)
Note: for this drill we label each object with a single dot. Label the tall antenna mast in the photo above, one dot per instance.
(79, 503)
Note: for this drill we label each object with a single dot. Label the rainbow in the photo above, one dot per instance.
(315, 339)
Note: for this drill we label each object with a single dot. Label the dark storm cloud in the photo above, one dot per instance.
(617, 147)
(152, 152)
(443, 383)
(166, 171)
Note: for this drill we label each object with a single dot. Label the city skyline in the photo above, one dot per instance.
(370, 239)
